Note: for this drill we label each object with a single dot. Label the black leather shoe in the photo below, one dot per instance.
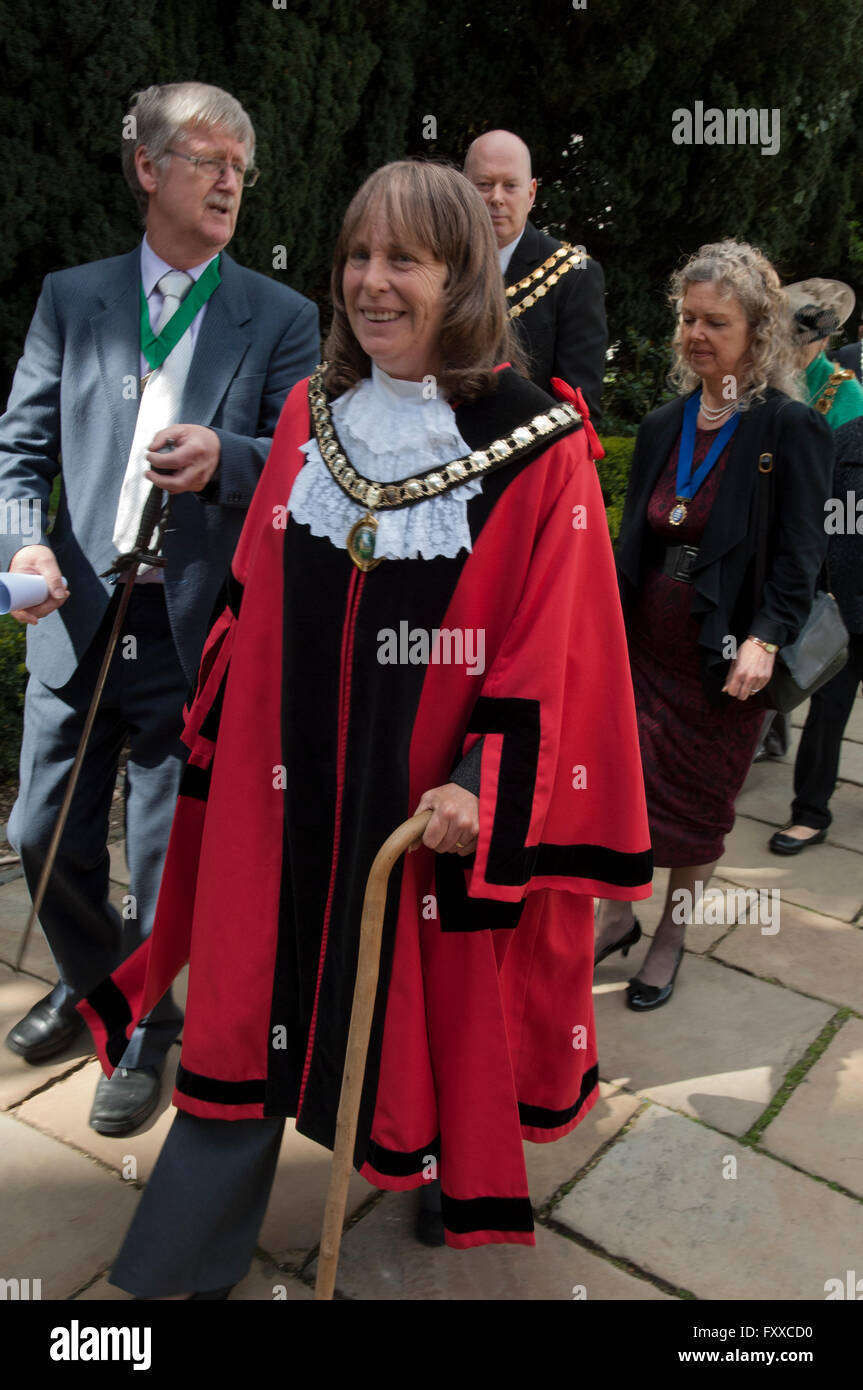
(123, 1101)
(429, 1228)
(44, 1031)
(642, 997)
(632, 937)
(429, 1223)
(780, 843)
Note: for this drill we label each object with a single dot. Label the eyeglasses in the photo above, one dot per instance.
(215, 168)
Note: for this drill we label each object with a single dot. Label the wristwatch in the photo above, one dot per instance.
(770, 647)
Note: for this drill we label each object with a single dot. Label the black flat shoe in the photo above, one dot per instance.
(124, 1100)
(642, 997)
(780, 843)
(632, 937)
(44, 1031)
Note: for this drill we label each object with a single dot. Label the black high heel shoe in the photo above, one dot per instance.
(642, 997)
(633, 936)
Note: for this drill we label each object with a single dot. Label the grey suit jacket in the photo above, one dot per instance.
(73, 407)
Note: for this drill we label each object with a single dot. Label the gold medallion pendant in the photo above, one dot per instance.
(678, 511)
(361, 543)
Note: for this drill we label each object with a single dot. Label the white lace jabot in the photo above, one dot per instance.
(389, 432)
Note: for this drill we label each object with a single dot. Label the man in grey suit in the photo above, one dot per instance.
(244, 340)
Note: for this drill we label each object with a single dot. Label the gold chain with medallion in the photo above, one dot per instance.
(375, 496)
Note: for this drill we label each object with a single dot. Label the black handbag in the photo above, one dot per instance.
(821, 648)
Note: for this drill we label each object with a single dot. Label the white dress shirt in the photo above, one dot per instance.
(504, 253)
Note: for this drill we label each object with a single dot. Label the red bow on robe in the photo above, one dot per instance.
(565, 392)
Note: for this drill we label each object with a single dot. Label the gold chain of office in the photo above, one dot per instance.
(545, 277)
(376, 495)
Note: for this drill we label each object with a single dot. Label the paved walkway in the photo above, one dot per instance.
(723, 1161)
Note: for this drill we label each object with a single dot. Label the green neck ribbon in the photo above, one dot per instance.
(156, 349)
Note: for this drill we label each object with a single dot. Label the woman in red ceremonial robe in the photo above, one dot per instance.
(702, 641)
(422, 613)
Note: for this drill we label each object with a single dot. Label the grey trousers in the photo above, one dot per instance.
(143, 700)
(197, 1224)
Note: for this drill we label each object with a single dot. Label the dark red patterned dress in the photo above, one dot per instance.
(695, 755)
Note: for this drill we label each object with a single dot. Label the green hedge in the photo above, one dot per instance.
(613, 473)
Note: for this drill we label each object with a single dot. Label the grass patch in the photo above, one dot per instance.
(796, 1075)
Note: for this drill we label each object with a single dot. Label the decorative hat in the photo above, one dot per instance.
(818, 308)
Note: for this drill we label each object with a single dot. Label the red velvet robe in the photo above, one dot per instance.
(306, 751)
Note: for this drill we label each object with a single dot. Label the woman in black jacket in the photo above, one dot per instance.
(702, 643)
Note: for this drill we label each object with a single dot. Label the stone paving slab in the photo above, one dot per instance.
(64, 1216)
(819, 878)
(811, 953)
(549, 1166)
(381, 1259)
(292, 1225)
(800, 715)
(14, 911)
(119, 870)
(260, 1282)
(658, 1197)
(820, 1128)
(18, 994)
(701, 939)
(767, 797)
(718, 1050)
(851, 762)
(648, 913)
(64, 1112)
(854, 727)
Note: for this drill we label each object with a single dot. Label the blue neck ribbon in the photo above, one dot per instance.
(687, 485)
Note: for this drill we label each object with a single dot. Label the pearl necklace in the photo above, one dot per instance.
(710, 414)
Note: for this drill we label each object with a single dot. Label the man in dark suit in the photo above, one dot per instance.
(239, 345)
(556, 295)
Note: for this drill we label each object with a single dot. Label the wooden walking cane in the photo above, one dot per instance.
(368, 966)
(144, 551)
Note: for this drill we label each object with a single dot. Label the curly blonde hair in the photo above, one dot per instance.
(739, 269)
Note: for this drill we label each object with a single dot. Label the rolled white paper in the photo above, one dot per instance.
(21, 591)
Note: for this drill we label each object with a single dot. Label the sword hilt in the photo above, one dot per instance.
(145, 551)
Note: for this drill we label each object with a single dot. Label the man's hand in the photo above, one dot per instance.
(454, 827)
(750, 671)
(39, 559)
(189, 466)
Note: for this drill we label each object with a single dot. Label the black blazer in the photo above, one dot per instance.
(724, 575)
(564, 332)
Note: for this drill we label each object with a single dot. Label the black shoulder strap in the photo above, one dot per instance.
(765, 469)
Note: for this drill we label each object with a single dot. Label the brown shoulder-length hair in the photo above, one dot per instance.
(431, 205)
